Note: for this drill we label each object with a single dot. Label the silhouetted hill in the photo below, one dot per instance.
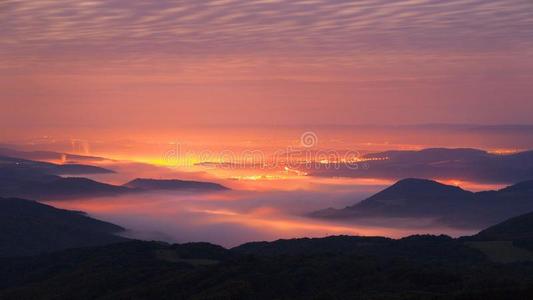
(28, 228)
(49, 155)
(461, 164)
(445, 204)
(19, 164)
(57, 188)
(39, 180)
(408, 197)
(337, 267)
(417, 267)
(333, 244)
(415, 196)
(517, 228)
(174, 184)
(36, 180)
(418, 247)
(522, 187)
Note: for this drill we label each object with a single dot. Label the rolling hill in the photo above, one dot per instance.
(19, 164)
(517, 228)
(29, 228)
(445, 204)
(173, 184)
(40, 181)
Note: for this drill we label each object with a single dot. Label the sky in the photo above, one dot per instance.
(151, 65)
(136, 80)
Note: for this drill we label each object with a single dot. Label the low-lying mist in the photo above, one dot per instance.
(235, 217)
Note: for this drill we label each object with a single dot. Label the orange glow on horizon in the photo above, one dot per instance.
(472, 186)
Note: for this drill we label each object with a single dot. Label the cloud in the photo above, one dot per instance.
(233, 218)
(252, 55)
(215, 26)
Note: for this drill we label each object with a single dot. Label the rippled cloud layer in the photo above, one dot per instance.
(228, 26)
(338, 61)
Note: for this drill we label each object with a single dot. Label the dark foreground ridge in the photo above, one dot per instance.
(29, 228)
(485, 266)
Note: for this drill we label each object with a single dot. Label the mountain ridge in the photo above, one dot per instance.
(466, 164)
(40, 181)
(446, 204)
(173, 184)
(29, 228)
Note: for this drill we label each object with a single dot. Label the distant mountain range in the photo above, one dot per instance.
(59, 188)
(39, 181)
(50, 187)
(50, 155)
(443, 163)
(445, 204)
(173, 184)
(29, 228)
(19, 165)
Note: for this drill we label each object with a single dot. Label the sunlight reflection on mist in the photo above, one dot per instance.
(232, 218)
